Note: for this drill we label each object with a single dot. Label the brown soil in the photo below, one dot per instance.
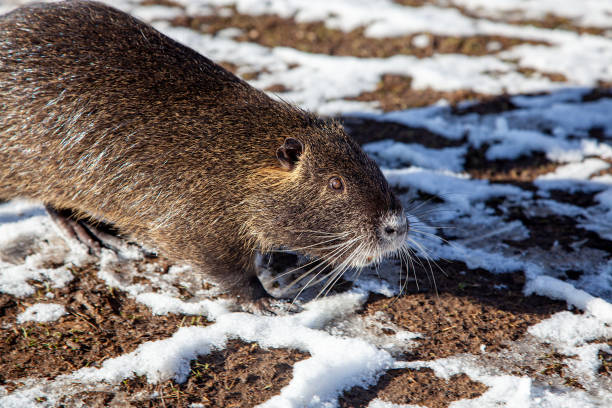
(368, 130)
(494, 105)
(315, 37)
(102, 323)
(553, 22)
(531, 72)
(417, 387)
(522, 169)
(167, 3)
(580, 199)
(241, 375)
(466, 313)
(606, 363)
(395, 92)
(415, 3)
(603, 90)
(553, 230)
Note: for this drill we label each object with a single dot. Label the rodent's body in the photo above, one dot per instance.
(102, 114)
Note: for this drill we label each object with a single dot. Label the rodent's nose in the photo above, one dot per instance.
(394, 228)
(390, 230)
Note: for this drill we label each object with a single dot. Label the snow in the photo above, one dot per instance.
(442, 72)
(395, 154)
(556, 289)
(346, 349)
(41, 312)
(590, 13)
(577, 171)
(566, 329)
(421, 40)
(23, 225)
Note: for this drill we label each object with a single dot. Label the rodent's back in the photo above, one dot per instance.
(92, 110)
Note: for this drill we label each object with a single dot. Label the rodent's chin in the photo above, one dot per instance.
(363, 262)
(382, 251)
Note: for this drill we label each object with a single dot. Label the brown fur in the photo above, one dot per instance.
(102, 114)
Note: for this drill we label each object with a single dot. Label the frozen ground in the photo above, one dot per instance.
(522, 188)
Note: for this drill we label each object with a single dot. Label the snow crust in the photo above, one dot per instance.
(593, 13)
(41, 312)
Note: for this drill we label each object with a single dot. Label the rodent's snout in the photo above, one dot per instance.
(393, 228)
(392, 231)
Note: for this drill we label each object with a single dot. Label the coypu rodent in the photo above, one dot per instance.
(103, 115)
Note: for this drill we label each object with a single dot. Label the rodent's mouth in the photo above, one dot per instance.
(313, 263)
(367, 261)
(371, 251)
(332, 253)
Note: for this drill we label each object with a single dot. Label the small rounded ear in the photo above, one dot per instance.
(289, 153)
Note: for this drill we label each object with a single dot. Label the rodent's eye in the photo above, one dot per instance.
(336, 184)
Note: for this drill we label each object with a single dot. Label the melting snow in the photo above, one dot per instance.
(41, 312)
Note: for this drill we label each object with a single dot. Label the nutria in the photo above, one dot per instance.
(103, 116)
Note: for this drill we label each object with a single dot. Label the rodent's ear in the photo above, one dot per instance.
(289, 153)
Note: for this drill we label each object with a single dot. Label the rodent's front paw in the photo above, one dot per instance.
(268, 306)
(261, 306)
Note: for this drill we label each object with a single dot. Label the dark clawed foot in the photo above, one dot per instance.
(253, 298)
(261, 306)
(93, 238)
(269, 306)
(75, 230)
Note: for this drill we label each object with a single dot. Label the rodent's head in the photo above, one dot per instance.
(326, 198)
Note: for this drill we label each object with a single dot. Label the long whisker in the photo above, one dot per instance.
(428, 256)
(326, 263)
(339, 246)
(323, 262)
(405, 260)
(427, 259)
(324, 277)
(414, 258)
(329, 273)
(308, 246)
(432, 235)
(337, 270)
(340, 271)
(323, 233)
(407, 254)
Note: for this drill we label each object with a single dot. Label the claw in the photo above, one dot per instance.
(93, 238)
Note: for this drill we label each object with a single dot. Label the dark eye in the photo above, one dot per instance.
(335, 183)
